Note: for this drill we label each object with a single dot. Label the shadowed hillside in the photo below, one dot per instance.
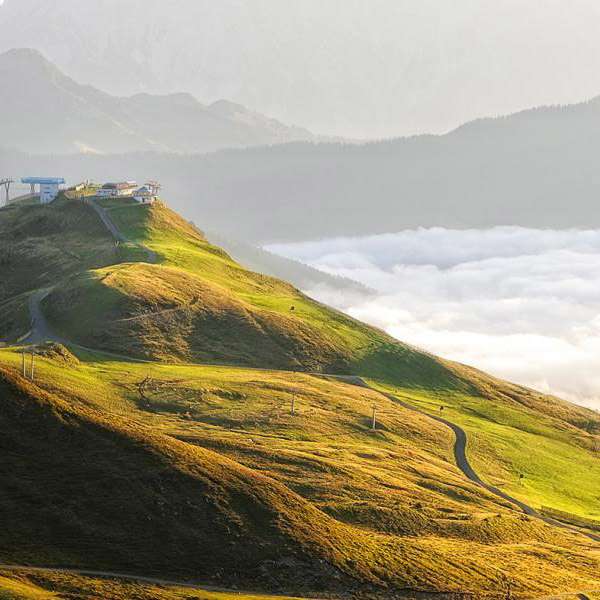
(31, 584)
(183, 510)
(40, 246)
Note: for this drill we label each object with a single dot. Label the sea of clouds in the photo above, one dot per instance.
(522, 304)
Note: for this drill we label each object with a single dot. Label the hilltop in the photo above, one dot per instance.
(177, 376)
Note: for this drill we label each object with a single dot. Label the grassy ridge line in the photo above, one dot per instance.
(114, 230)
(295, 331)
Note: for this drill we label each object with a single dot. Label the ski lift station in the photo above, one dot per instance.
(49, 187)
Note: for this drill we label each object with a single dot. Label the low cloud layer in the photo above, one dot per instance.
(522, 304)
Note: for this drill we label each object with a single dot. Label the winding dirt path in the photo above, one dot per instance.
(116, 232)
(40, 330)
(462, 462)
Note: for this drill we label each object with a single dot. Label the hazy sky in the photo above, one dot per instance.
(522, 304)
(364, 68)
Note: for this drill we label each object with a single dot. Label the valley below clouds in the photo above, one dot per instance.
(522, 304)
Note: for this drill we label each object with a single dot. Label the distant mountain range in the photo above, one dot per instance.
(349, 68)
(44, 111)
(537, 168)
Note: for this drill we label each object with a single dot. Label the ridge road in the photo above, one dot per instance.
(40, 331)
(116, 232)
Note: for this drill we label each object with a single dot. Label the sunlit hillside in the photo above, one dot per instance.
(214, 426)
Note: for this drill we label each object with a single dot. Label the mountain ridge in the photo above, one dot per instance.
(42, 110)
(532, 169)
(404, 68)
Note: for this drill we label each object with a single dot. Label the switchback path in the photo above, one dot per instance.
(462, 462)
(116, 232)
(40, 331)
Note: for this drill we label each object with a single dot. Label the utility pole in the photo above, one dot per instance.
(32, 363)
(374, 422)
(5, 183)
(294, 392)
(23, 365)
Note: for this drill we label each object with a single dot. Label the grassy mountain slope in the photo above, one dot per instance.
(184, 510)
(137, 499)
(395, 509)
(196, 304)
(40, 246)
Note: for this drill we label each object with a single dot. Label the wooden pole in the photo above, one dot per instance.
(374, 423)
(23, 366)
(294, 402)
(32, 364)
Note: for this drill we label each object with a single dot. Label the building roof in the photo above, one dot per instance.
(121, 185)
(43, 180)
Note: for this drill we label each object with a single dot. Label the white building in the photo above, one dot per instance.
(148, 193)
(144, 195)
(122, 188)
(49, 187)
